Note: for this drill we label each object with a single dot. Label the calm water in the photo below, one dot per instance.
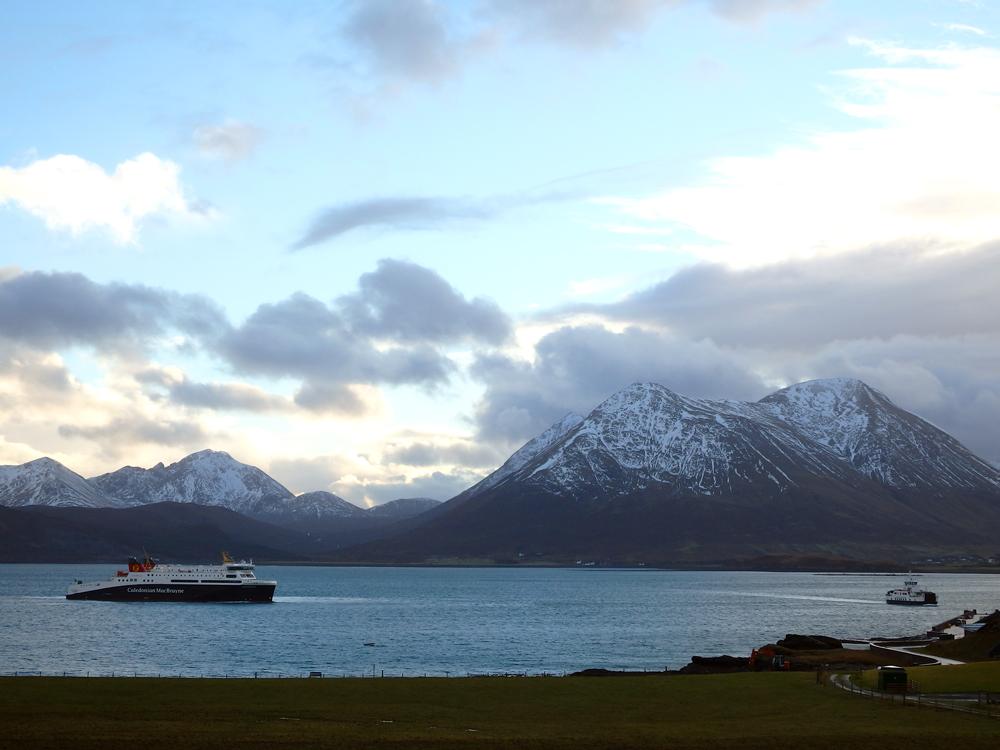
(438, 621)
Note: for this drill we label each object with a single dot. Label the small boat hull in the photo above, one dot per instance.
(174, 592)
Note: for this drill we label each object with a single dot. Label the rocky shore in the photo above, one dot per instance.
(794, 652)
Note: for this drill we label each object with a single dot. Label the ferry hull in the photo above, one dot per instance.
(912, 604)
(175, 592)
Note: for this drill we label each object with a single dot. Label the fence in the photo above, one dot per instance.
(272, 675)
(977, 703)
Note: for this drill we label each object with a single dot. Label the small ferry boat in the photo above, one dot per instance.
(911, 594)
(149, 581)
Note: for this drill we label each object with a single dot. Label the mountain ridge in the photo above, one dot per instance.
(649, 473)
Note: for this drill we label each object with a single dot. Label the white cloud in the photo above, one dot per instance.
(230, 141)
(72, 194)
(921, 165)
(964, 28)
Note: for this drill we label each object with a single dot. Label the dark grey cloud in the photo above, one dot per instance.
(922, 326)
(577, 367)
(330, 346)
(801, 304)
(415, 213)
(407, 302)
(66, 309)
(303, 337)
(387, 332)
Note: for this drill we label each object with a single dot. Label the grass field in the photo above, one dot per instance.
(960, 678)
(771, 711)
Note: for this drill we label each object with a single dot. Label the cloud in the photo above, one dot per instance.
(952, 381)
(405, 38)
(438, 485)
(331, 398)
(429, 42)
(594, 23)
(751, 11)
(466, 455)
(575, 368)
(920, 165)
(796, 305)
(64, 309)
(964, 28)
(389, 213)
(599, 23)
(404, 308)
(311, 474)
(416, 213)
(230, 141)
(32, 373)
(302, 337)
(403, 301)
(216, 396)
(121, 433)
(72, 194)
(385, 333)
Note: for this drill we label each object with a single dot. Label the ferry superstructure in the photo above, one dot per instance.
(149, 581)
(911, 595)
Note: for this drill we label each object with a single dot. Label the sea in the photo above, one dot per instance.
(357, 621)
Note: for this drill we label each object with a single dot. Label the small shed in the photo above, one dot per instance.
(892, 679)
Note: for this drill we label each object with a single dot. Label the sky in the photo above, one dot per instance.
(373, 247)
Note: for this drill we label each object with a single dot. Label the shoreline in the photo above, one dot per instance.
(862, 572)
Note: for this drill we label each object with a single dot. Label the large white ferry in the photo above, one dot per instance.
(911, 594)
(147, 581)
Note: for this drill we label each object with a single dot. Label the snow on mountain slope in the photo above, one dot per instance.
(879, 439)
(646, 434)
(45, 481)
(207, 478)
(523, 455)
(321, 504)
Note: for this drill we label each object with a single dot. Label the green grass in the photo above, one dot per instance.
(973, 647)
(771, 711)
(959, 678)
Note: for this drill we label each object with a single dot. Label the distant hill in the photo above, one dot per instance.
(182, 532)
(206, 478)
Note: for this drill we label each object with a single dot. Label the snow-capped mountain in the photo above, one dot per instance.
(45, 481)
(828, 466)
(878, 439)
(321, 504)
(648, 436)
(206, 478)
(529, 450)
